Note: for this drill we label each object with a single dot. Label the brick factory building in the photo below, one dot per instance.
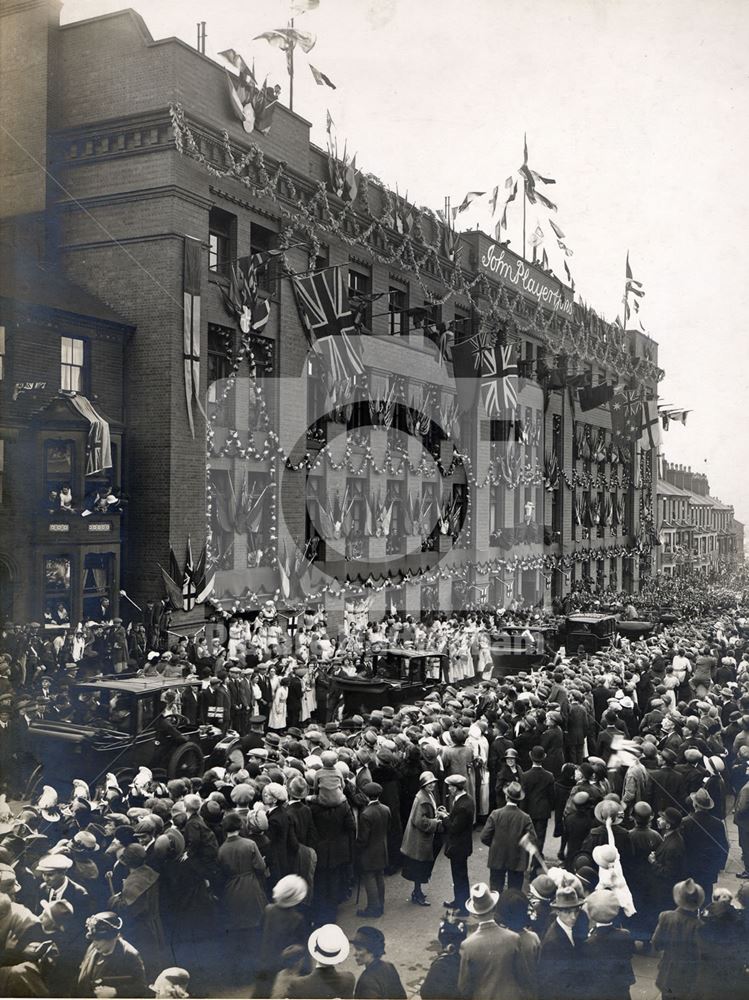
(131, 132)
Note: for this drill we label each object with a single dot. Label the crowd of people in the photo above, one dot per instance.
(626, 763)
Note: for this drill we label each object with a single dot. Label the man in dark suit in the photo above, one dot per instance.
(458, 826)
(502, 833)
(55, 870)
(490, 961)
(372, 849)
(294, 700)
(559, 960)
(579, 726)
(607, 951)
(669, 786)
(328, 946)
(538, 785)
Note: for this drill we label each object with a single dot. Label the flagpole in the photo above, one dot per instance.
(626, 297)
(291, 69)
(525, 146)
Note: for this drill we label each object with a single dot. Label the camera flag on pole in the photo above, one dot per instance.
(322, 300)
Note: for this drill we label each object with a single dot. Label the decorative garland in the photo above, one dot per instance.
(544, 563)
(589, 340)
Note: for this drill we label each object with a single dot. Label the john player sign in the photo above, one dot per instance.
(514, 271)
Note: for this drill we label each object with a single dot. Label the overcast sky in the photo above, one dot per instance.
(638, 109)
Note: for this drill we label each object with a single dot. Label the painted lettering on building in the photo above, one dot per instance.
(514, 271)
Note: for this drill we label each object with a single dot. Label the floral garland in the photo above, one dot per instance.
(588, 340)
(543, 563)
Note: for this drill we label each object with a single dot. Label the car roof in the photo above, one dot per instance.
(136, 685)
(590, 618)
(408, 653)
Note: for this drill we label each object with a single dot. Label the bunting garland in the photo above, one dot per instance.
(589, 337)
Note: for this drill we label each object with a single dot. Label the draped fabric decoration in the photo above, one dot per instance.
(577, 508)
(336, 518)
(449, 413)
(551, 472)
(599, 449)
(191, 328)
(293, 568)
(615, 520)
(190, 585)
(620, 510)
(594, 509)
(417, 511)
(608, 511)
(382, 400)
(253, 105)
(378, 516)
(581, 445)
(99, 443)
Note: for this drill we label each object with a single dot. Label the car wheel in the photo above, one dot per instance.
(185, 762)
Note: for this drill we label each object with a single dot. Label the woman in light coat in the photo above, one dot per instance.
(421, 844)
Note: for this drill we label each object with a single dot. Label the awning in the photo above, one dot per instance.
(99, 445)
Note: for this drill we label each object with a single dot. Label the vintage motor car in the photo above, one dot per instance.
(592, 631)
(398, 676)
(116, 728)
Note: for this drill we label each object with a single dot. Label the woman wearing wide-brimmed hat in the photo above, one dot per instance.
(421, 843)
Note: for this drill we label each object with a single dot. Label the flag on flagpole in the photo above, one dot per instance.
(569, 276)
(467, 368)
(651, 425)
(322, 301)
(499, 379)
(493, 200)
(329, 123)
(597, 395)
(537, 237)
(626, 417)
(470, 197)
(632, 284)
(320, 78)
(191, 327)
(557, 231)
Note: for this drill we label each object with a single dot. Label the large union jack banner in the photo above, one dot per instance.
(322, 300)
(499, 380)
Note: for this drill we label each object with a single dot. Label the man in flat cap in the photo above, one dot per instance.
(458, 826)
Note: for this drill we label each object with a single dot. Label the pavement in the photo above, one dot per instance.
(411, 931)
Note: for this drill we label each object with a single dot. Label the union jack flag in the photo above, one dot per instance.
(626, 416)
(322, 300)
(499, 380)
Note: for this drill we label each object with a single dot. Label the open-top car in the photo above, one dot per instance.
(118, 725)
(398, 676)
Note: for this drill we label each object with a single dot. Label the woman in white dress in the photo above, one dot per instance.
(309, 701)
(236, 636)
(485, 664)
(277, 714)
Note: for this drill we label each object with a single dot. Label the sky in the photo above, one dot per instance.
(638, 110)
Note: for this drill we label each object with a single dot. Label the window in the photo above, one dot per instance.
(433, 313)
(462, 324)
(355, 491)
(72, 363)
(58, 471)
(262, 239)
(221, 238)
(317, 422)
(496, 511)
(57, 590)
(397, 306)
(315, 543)
(219, 368)
(359, 284)
(2, 353)
(394, 495)
(98, 580)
